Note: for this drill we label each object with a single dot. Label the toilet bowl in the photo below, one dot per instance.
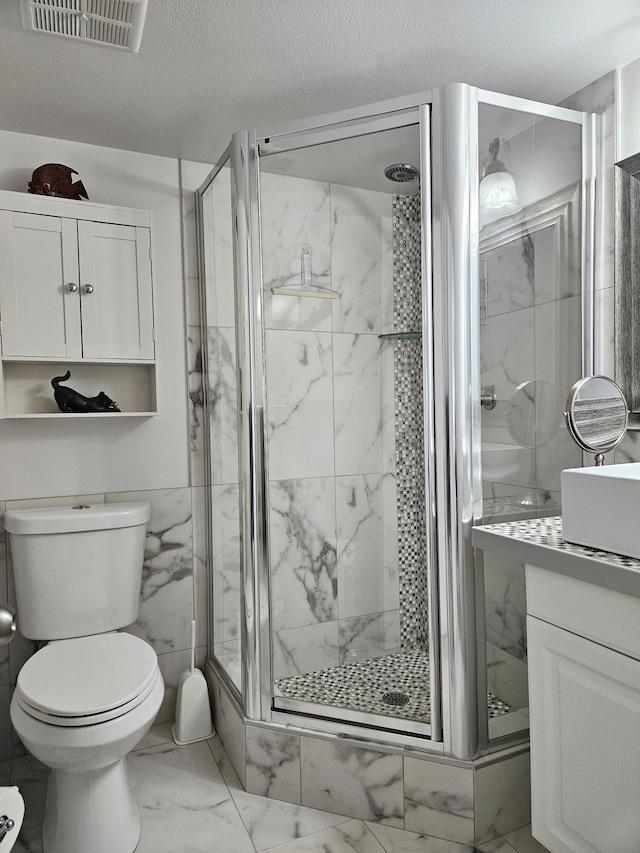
(84, 700)
(79, 707)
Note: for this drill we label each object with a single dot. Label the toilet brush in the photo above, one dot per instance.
(193, 711)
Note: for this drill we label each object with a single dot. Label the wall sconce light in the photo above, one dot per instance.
(498, 196)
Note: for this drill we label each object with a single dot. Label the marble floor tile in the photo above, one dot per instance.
(402, 841)
(157, 735)
(271, 822)
(191, 801)
(353, 836)
(184, 802)
(523, 842)
(497, 846)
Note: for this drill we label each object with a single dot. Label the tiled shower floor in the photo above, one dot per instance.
(395, 685)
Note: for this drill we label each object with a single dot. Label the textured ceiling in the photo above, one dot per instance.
(209, 67)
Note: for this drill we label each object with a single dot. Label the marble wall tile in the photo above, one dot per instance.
(228, 724)
(172, 665)
(360, 412)
(371, 636)
(192, 175)
(629, 448)
(558, 361)
(307, 649)
(366, 583)
(506, 356)
(401, 841)
(225, 561)
(557, 253)
(223, 406)
(217, 228)
(199, 540)
(304, 579)
(507, 677)
(273, 764)
(294, 212)
(228, 655)
(600, 97)
(439, 800)
(361, 782)
(502, 797)
(605, 332)
(299, 404)
(166, 603)
(505, 604)
(196, 405)
(360, 248)
(352, 836)
(507, 276)
(271, 822)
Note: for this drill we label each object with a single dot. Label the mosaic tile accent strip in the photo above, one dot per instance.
(395, 685)
(548, 531)
(409, 423)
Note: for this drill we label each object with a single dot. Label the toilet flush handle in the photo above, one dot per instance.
(6, 825)
(7, 624)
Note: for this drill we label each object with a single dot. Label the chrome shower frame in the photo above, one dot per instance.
(449, 168)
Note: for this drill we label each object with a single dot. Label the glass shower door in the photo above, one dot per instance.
(221, 442)
(341, 256)
(531, 353)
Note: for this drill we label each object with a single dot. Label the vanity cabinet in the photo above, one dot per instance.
(584, 688)
(76, 294)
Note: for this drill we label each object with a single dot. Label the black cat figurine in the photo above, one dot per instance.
(69, 400)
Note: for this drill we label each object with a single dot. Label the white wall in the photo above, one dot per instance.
(628, 110)
(46, 458)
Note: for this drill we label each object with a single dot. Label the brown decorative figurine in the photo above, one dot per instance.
(55, 179)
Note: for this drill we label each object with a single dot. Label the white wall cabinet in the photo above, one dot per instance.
(584, 687)
(75, 289)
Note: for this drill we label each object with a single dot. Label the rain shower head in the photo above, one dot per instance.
(401, 173)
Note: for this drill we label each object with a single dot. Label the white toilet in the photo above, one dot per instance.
(83, 702)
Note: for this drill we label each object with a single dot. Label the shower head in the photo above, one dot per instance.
(402, 172)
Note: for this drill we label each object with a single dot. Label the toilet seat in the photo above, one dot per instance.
(88, 680)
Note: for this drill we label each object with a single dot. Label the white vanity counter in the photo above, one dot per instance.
(583, 640)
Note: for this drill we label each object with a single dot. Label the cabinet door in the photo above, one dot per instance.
(585, 743)
(116, 294)
(38, 260)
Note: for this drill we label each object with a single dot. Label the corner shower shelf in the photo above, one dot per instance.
(399, 336)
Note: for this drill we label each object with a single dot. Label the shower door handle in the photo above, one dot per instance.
(488, 399)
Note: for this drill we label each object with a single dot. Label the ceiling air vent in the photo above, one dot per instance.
(117, 23)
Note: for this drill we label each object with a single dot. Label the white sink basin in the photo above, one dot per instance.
(601, 507)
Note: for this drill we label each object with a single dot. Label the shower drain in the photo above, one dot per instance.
(397, 699)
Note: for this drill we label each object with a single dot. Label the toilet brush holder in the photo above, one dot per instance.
(193, 711)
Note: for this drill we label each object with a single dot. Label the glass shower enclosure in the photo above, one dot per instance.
(358, 305)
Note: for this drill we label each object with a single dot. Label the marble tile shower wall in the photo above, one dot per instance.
(330, 426)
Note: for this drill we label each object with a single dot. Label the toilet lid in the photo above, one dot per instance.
(88, 676)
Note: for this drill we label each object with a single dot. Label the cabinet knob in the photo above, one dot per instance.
(87, 288)
(71, 287)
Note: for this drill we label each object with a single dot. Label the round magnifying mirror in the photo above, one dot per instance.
(597, 415)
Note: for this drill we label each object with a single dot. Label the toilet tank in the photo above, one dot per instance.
(77, 570)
